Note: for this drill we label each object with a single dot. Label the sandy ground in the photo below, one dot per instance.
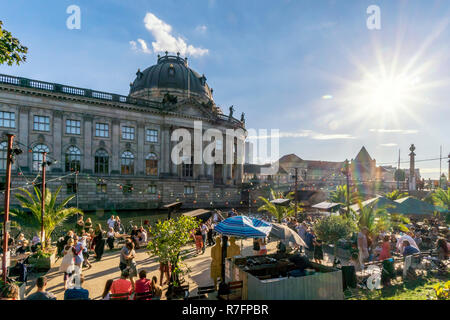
(108, 268)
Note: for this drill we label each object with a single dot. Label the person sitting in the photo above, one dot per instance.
(408, 249)
(35, 243)
(442, 249)
(41, 294)
(10, 292)
(122, 285)
(143, 285)
(156, 289)
(142, 235)
(77, 293)
(107, 291)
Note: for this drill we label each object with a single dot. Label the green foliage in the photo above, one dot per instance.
(333, 228)
(11, 51)
(168, 238)
(340, 195)
(55, 214)
(442, 198)
(399, 175)
(279, 212)
(442, 291)
(395, 195)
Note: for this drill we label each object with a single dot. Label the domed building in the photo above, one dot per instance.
(115, 151)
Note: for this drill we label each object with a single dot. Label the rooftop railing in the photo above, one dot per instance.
(88, 93)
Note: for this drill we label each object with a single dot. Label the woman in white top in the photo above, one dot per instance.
(68, 261)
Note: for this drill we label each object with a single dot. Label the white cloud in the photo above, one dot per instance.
(165, 40)
(321, 136)
(201, 29)
(400, 131)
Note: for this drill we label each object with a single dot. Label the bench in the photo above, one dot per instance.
(143, 296)
(119, 296)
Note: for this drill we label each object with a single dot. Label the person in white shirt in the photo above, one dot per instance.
(111, 221)
(408, 238)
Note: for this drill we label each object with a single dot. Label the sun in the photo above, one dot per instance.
(387, 94)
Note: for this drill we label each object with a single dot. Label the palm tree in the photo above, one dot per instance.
(278, 211)
(395, 195)
(442, 198)
(55, 214)
(340, 195)
(375, 220)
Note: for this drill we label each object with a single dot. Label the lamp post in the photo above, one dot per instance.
(347, 174)
(43, 199)
(6, 215)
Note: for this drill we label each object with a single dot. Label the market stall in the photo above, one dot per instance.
(284, 277)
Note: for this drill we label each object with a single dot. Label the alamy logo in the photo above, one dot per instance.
(74, 20)
(374, 20)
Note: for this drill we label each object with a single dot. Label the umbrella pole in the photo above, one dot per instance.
(224, 254)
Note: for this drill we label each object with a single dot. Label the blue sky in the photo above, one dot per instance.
(307, 68)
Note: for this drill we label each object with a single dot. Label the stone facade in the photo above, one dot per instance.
(133, 187)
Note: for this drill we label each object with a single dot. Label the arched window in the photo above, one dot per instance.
(3, 155)
(73, 159)
(38, 150)
(127, 163)
(151, 164)
(101, 161)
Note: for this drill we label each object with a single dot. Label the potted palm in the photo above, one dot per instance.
(29, 215)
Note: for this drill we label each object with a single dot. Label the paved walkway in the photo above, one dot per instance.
(108, 268)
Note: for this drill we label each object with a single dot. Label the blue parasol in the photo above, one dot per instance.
(245, 227)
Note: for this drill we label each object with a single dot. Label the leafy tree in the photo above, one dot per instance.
(400, 175)
(395, 195)
(278, 211)
(55, 214)
(11, 51)
(333, 228)
(168, 238)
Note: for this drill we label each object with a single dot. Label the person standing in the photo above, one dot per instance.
(111, 221)
(78, 253)
(363, 249)
(262, 246)
(204, 230)
(318, 250)
(99, 242)
(79, 226)
(41, 294)
(68, 261)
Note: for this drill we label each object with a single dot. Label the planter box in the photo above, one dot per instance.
(44, 263)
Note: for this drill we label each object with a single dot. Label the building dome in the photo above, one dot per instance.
(171, 74)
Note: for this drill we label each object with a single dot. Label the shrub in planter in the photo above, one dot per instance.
(42, 260)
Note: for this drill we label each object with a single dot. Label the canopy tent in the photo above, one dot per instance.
(245, 227)
(413, 206)
(327, 206)
(172, 207)
(201, 214)
(286, 234)
(378, 203)
(281, 202)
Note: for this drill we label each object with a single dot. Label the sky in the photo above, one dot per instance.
(311, 69)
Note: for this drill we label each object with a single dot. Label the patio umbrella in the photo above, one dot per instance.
(245, 227)
(286, 234)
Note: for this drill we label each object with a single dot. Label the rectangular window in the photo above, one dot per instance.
(102, 130)
(101, 188)
(152, 135)
(188, 190)
(41, 123)
(127, 188)
(7, 119)
(73, 127)
(151, 189)
(128, 133)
